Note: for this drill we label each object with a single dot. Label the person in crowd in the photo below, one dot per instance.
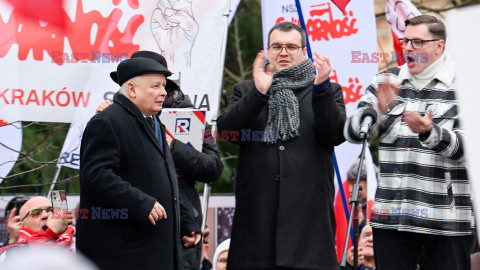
(221, 255)
(126, 168)
(423, 196)
(206, 264)
(365, 251)
(191, 164)
(286, 121)
(40, 226)
(341, 220)
(12, 219)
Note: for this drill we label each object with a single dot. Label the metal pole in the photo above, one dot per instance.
(354, 215)
(55, 177)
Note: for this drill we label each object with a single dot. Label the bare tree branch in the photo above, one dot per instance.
(40, 185)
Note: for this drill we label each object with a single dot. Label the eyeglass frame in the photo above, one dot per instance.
(285, 46)
(407, 40)
(48, 209)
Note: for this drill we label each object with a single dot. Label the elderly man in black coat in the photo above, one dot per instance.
(287, 122)
(129, 212)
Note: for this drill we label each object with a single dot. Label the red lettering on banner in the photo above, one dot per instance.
(319, 29)
(76, 100)
(17, 94)
(2, 123)
(326, 28)
(31, 98)
(65, 93)
(133, 3)
(47, 97)
(2, 95)
(31, 36)
(351, 93)
(61, 98)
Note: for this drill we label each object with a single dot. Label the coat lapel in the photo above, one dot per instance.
(151, 134)
(303, 93)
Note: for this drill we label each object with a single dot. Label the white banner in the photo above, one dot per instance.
(70, 154)
(62, 76)
(463, 45)
(10, 146)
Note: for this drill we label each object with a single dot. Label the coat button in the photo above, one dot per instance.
(277, 178)
(175, 198)
(281, 147)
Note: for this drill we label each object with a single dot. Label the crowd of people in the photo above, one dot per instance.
(285, 219)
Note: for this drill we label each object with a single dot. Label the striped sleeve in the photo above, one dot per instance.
(449, 143)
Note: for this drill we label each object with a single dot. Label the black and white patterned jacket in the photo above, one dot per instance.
(423, 185)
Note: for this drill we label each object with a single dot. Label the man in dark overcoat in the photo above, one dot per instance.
(129, 213)
(286, 122)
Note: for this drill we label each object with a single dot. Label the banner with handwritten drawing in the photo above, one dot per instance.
(56, 74)
(349, 39)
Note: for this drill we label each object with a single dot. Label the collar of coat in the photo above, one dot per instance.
(127, 104)
(446, 74)
(132, 109)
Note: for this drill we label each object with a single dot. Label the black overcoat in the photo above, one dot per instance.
(124, 169)
(284, 192)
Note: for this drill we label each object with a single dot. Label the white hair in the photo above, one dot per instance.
(123, 87)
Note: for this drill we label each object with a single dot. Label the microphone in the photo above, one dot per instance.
(369, 117)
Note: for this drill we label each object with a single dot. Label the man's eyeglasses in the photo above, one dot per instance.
(289, 48)
(37, 211)
(416, 43)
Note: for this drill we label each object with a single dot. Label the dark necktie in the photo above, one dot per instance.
(150, 121)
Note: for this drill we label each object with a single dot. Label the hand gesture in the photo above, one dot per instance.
(322, 64)
(205, 234)
(13, 226)
(417, 123)
(386, 94)
(103, 106)
(191, 239)
(157, 213)
(263, 80)
(360, 257)
(58, 222)
(169, 139)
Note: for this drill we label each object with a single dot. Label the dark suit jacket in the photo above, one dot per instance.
(284, 191)
(124, 170)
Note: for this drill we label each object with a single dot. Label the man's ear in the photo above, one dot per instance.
(20, 223)
(440, 46)
(131, 89)
(305, 50)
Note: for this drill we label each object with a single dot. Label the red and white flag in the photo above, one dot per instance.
(397, 12)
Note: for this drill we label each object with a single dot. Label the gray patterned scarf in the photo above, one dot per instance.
(283, 120)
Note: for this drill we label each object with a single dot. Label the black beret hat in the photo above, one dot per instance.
(137, 66)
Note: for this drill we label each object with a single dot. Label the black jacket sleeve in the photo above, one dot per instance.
(330, 115)
(244, 107)
(205, 166)
(187, 219)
